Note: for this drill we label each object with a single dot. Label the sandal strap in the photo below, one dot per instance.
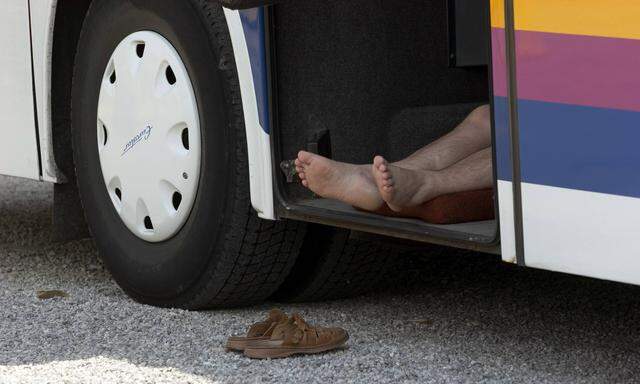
(266, 327)
(297, 332)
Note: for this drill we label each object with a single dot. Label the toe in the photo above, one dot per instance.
(305, 183)
(302, 176)
(378, 160)
(374, 169)
(305, 157)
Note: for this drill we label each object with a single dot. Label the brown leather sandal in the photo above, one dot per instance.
(258, 331)
(296, 337)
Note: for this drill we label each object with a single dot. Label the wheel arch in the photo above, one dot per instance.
(68, 216)
(247, 32)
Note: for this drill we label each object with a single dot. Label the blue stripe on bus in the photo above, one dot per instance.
(253, 26)
(578, 147)
(503, 138)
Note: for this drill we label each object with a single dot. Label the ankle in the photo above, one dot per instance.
(366, 171)
(429, 186)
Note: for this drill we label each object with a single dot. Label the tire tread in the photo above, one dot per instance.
(334, 264)
(257, 253)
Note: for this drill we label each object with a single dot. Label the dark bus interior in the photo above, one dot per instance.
(353, 79)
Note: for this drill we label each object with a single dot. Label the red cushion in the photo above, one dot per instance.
(453, 208)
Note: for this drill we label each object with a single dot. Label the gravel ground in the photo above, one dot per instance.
(444, 317)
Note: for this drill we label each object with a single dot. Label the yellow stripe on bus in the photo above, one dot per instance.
(607, 18)
(497, 13)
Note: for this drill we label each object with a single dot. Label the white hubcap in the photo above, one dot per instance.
(149, 136)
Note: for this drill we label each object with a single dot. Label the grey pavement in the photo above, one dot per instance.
(443, 316)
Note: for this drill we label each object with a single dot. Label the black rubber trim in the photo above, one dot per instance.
(33, 92)
(451, 24)
(514, 131)
(272, 83)
(494, 152)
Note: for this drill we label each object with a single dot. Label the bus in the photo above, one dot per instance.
(168, 130)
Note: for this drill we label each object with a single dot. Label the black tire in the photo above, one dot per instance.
(336, 263)
(223, 255)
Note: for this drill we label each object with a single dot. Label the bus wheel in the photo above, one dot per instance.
(161, 159)
(335, 263)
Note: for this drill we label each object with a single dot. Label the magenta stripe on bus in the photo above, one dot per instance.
(579, 70)
(504, 169)
(499, 62)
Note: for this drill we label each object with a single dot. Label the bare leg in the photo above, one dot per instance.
(471, 136)
(405, 188)
(350, 183)
(355, 184)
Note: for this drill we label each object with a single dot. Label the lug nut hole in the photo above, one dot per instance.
(176, 200)
(147, 223)
(171, 77)
(140, 49)
(185, 138)
(105, 134)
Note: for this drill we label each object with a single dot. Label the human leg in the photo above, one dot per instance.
(469, 137)
(402, 188)
(355, 184)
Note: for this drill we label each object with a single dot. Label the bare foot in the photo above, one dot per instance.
(352, 184)
(400, 187)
